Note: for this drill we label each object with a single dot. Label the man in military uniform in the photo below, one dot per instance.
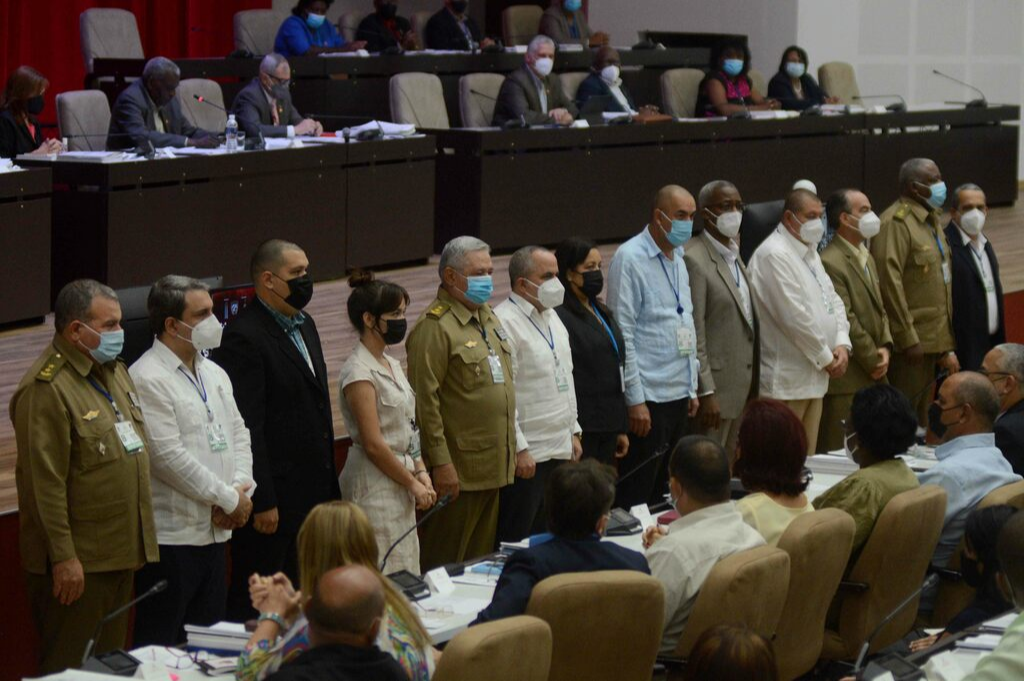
(913, 261)
(460, 366)
(82, 477)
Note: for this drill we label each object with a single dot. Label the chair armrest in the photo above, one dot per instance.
(945, 574)
(853, 587)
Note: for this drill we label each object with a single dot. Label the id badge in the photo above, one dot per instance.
(622, 379)
(216, 437)
(561, 381)
(497, 375)
(129, 438)
(686, 341)
(945, 273)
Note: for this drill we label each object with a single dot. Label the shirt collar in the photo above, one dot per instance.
(81, 363)
(723, 509)
(804, 251)
(919, 211)
(537, 80)
(526, 306)
(289, 324)
(270, 97)
(978, 246)
(365, 356)
(650, 246)
(730, 252)
(964, 442)
(461, 312)
(169, 359)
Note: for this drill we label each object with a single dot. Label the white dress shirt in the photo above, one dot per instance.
(189, 478)
(984, 266)
(731, 254)
(802, 317)
(542, 372)
(682, 560)
(616, 89)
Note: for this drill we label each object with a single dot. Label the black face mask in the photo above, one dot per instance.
(969, 569)
(388, 10)
(300, 291)
(35, 105)
(593, 282)
(396, 331)
(459, 6)
(935, 423)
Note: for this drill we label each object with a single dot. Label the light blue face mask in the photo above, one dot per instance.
(479, 288)
(681, 231)
(111, 344)
(795, 69)
(573, 5)
(733, 67)
(314, 21)
(938, 198)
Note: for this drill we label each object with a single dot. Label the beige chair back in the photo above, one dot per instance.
(418, 98)
(819, 546)
(679, 89)
(838, 80)
(477, 111)
(418, 22)
(520, 23)
(953, 597)
(571, 81)
(892, 564)
(108, 34)
(202, 115)
(758, 82)
(84, 112)
(348, 23)
(604, 625)
(256, 29)
(747, 588)
(512, 649)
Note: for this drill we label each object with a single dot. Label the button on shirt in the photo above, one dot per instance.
(644, 291)
(546, 416)
(189, 478)
(984, 267)
(803, 319)
(731, 254)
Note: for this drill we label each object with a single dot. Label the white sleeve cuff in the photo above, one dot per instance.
(291, 131)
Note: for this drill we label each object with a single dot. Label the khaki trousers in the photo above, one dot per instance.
(835, 408)
(809, 413)
(912, 380)
(462, 530)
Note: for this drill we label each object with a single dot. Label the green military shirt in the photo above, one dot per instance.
(465, 417)
(914, 267)
(81, 494)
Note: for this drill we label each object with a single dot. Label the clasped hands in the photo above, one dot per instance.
(238, 517)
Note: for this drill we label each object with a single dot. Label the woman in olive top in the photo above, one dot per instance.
(20, 132)
(882, 425)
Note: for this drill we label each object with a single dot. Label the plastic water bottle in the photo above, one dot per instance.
(231, 134)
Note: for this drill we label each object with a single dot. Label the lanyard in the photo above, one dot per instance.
(615, 343)
(483, 333)
(200, 388)
(981, 263)
(938, 242)
(549, 341)
(736, 272)
(110, 398)
(674, 287)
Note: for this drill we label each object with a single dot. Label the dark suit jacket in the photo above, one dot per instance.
(341, 663)
(528, 567)
(252, 111)
(970, 321)
(1010, 436)
(134, 113)
(780, 87)
(443, 32)
(377, 36)
(595, 86)
(15, 138)
(287, 410)
(600, 402)
(518, 97)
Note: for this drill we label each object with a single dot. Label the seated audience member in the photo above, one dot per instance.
(793, 86)
(564, 22)
(308, 33)
(452, 28)
(880, 427)
(605, 84)
(148, 110)
(345, 613)
(1004, 366)
(334, 534)
(770, 457)
(727, 89)
(578, 499)
(709, 529)
(531, 93)
(265, 104)
(728, 652)
(20, 132)
(384, 29)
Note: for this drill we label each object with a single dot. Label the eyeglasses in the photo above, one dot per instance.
(182, 659)
(1001, 374)
(726, 206)
(280, 81)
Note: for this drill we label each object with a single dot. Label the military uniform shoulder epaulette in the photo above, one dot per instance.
(51, 368)
(438, 310)
(902, 212)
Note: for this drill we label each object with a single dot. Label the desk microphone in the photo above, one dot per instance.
(741, 115)
(441, 503)
(510, 124)
(153, 590)
(656, 455)
(361, 136)
(928, 584)
(980, 103)
(144, 147)
(938, 377)
(895, 107)
(260, 144)
(625, 119)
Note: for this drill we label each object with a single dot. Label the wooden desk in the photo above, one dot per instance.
(25, 245)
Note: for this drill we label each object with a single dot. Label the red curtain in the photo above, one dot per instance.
(44, 34)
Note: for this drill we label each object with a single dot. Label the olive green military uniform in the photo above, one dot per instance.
(81, 494)
(914, 268)
(466, 418)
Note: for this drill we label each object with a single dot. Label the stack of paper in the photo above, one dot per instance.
(221, 636)
(386, 128)
(833, 463)
(980, 642)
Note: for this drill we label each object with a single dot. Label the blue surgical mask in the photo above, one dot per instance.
(938, 198)
(573, 5)
(795, 69)
(479, 288)
(314, 21)
(681, 231)
(111, 344)
(733, 67)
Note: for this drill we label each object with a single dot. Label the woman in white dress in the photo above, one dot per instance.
(384, 474)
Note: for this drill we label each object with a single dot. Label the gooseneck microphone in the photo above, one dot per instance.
(980, 103)
(261, 143)
(441, 503)
(928, 584)
(510, 124)
(656, 455)
(153, 590)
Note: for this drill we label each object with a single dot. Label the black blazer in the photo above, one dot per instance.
(377, 36)
(595, 86)
(443, 32)
(780, 87)
(252, 111)
(135, 114)
(1010, 436)
(287, 410)
(600, 402)
(528, 567)
(970, 322)
(15, 138)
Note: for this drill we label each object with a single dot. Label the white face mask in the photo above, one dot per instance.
(846, 447)
(550, 294)
(728, 224)
(610, 73)
(869, 225)
(812, 231)
(543, 66)
(206, 334)
(972, 222)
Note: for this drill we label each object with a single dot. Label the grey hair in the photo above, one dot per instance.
(913, 170)
(976, 390)
(539, 41)
(1011, 359)
(271, 62)
(965, 187)
(456, 250)
(167, 299)
(75, 300)
(159, 68)
(521, 265)
(704, 198)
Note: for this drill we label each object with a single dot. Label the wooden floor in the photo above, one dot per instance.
(19, 348)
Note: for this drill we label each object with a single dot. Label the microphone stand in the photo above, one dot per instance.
(441, 503)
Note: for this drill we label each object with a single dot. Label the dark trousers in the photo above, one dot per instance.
(600, 446)
(263, 554)
(650, 483)
(196, 593)
(521, 505)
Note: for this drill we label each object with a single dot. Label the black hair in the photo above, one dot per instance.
(369, 295)
(884, 420)
(576, 496)
(982, 532)
(837, 204)
(731, 44)
(303, 5)
(572, 253)
(701, 467)
(800, 52)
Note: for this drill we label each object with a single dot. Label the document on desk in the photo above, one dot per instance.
(1002, 623)
(199, 151)
(980, 642)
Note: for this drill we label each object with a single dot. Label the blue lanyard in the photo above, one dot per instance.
(675, 287)
(110, 398)
(942, 252)
(551, 341)
(615, 343)
(200, 388)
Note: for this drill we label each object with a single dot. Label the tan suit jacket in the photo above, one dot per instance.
(728, 346)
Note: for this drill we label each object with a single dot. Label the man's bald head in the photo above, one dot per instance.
(976, 390)
(346, 606)
(669, 195)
